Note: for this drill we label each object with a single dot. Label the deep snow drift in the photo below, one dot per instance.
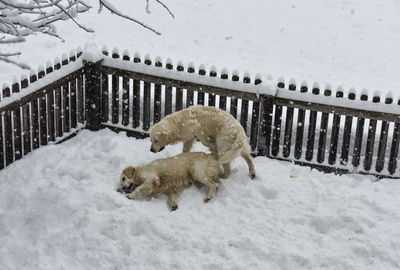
(59, 210)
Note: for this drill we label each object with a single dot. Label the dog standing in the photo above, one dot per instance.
(215, 128)
(171, 176)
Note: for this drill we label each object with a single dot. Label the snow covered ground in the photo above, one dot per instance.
(349, 43)
(59, 210)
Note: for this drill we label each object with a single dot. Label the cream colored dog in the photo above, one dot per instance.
(171, 176)
(215, 128)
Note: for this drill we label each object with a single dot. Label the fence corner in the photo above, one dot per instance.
(93, 110)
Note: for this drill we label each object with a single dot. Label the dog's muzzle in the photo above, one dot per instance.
(130, 188)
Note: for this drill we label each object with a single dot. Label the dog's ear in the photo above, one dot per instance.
(129, 171)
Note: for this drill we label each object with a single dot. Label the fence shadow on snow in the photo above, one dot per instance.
(331, 131)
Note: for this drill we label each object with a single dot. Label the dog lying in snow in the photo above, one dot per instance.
(215, 128)
(171, 176)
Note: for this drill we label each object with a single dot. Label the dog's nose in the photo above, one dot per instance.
(152, 150)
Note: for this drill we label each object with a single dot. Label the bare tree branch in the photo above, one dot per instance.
(22, 18)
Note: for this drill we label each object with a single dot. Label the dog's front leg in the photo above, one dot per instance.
(187, 146)
(146, 189)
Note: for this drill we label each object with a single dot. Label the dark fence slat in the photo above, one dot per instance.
(81, 100)
(178, 99)
(104, 97)
(1, 143)
(380, 162)
(17, 134)
(115, 99)
(200, 98)
(334, 139)
(277, 130)
(287, 139)
(35, 124)
(50, 116)
(65, 110)
(146, 106)
(370, 145)
(125, 101)
(234, 105)
(322, 137)
(73, 103)
(58, 113)
(255, 116)
(394, 150)
(26, 127)
(211, 99)
(222, 103)
(136, 104)
(168, 100)
(189, 98)
(157, 103)
(264, 133)
(43, 120)
(344, 157)
(311, 135)
(8, 138)
(243, 114)
(298, 148)
(358, 142)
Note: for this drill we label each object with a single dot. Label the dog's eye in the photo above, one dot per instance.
(155, 141)
(123, 179)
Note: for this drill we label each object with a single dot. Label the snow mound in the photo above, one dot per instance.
(59, 210)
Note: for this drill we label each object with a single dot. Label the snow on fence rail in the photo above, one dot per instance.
(319, 128)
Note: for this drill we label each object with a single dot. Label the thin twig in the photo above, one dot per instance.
(69, 15)
(116, 12)
(169, 11)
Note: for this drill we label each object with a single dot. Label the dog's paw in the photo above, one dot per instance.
(174, 207)
(252, 175)
(207, 199)
(130, 196)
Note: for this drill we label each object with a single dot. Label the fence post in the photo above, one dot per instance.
(93, 110)
(265, 125)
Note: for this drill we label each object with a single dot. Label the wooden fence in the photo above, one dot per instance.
(331, 131)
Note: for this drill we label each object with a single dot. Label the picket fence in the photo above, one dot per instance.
(333, 131)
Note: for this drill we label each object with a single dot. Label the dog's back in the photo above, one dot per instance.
(182, 170)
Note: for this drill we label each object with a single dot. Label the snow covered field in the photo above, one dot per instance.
(349, 43)
(59, 210)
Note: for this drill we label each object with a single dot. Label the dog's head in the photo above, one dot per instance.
(128, 180)
(159, 138)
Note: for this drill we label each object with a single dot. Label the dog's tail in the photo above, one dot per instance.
(234, 151)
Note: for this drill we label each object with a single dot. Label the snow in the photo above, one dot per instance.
(59, 210)
(350, 43)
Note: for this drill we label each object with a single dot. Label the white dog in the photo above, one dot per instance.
(171, 176)
(215, 128)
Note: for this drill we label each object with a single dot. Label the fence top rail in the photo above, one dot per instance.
(263, 88)
(48, 80)
(341, 103)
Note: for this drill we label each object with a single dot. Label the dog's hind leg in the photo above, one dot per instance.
(249, 161)
(227, 171)
(172, 201)
(187, 146)
(204, 179)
